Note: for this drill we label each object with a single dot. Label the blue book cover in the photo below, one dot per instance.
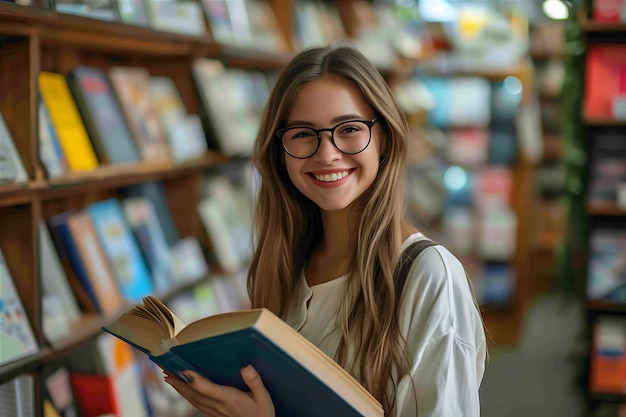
(440, 89)
(154, 192)
(66, 249)
(103, 117)
(147, 231)
(121, 249)
(300, 378)
(607, 264)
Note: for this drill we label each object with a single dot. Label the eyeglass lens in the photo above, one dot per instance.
(349, 137)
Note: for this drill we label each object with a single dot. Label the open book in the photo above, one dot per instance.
(300, 378)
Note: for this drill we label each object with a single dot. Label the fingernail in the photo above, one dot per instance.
(186, 376)
(249, 372)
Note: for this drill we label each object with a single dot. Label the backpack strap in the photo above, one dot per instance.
(407, 258)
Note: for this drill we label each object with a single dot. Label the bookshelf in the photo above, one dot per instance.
(503, 318)
(605, 215)
(34, 39)
(548, 53)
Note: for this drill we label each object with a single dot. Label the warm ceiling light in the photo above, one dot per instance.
(555, 9)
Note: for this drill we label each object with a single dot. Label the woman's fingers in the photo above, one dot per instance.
(195, 391)
(257, 390)
(220, 400)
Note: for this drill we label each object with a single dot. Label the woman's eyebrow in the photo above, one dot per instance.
(334, 120)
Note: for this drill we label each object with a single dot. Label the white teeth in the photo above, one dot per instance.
(335, 176)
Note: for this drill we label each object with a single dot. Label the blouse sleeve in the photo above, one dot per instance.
(445, 337)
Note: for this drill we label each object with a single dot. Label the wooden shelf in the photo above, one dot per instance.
(71, 30)
(105, 177)
(85, 32)
(606, 306)
(608, 121)
(608, 397)
(89, 326)
(18, 193)
(605, 209)
(590, 26)
(112, 176)
(21, 366)
(239, 57)
(495, 75)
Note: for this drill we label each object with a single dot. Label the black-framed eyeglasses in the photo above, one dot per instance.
(349, 137)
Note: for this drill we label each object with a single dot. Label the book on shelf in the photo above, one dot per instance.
(605, 81)
(67, 122)
(220, 24)
(11, 166)
(497, 284)
(183, 16)
(154, 191)
(227, 218)
(57, 390)
(49, 149)
(468, 147)
(608, 355)
(106, 366)
(607, 165)
(300, 378)
(317, 23)
(184, 131)
(496, 233)
(228, 110)
(149, 235)
(506, 96)
(103, 118)
(17, 397)
(459, 101)
(188, 259)
(607, 264)
(77, 243)
(132, 85)
(160, 398)
(223, 244)
(128, 265)
(102, 9)
(16, 334)
(494, 186)
(264, 28)
(502, 146)
(166, 100)
(609, 11)
(59, 305)
(133, 12)
(460, 185)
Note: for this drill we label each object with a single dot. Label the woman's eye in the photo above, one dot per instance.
(303, 134)
(349, 129)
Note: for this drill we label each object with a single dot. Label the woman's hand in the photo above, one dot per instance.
(215, 400)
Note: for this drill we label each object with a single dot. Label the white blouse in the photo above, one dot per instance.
(440, 322)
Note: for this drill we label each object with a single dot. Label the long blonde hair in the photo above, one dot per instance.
(288, 225)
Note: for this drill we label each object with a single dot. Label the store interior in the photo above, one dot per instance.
(126, 129)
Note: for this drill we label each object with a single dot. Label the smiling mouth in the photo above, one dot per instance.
(335, 176)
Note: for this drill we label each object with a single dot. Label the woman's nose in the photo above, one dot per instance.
(327, 152)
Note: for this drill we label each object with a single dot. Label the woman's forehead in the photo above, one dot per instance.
(324, 99)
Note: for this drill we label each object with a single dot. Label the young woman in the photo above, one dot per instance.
(331, 225)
